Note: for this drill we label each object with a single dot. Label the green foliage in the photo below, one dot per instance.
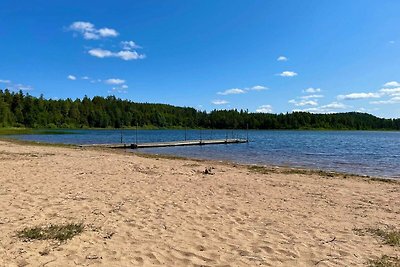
(389, 236)
(23, 110)
(58, 232)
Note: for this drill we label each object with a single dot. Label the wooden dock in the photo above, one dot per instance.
(171, 144)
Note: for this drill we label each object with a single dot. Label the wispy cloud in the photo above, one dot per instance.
(123, 54)
(238, 91)
(393, 100)
(329, 108)
(257, 88)
(335, 105)
(282, 58)
(233, 91)
(114, 81)
(390, 91)
(303, 103)
(264, 109)
(17, 86)
(312, 90)
(357, 96)
(129, 45)
(392, 84)
(288, 74)
(219, 102)
(311, 96)
(71, 77)
(90, 32)
(85, 78)
(21, 87)
(119, 90)
(100, 53)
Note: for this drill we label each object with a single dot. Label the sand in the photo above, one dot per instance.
(140, 211)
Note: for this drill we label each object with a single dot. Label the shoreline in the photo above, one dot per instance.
(270, 168)
(146, 211)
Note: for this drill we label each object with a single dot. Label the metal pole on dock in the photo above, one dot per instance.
(201, 137)
(121, 136)
(247, 132)
(185, 133)
(136, 132)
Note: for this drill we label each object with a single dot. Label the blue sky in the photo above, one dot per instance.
(264, 56)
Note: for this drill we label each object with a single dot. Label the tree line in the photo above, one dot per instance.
(23, 110)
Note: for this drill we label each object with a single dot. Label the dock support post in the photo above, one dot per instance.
(136, 132)
(247, 132)
(121, 136)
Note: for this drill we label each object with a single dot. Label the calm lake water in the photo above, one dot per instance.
(359, 152)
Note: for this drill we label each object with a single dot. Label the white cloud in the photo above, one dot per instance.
(356, 96)
(288, 74)
(119, 90)
(258, 88)
(264, 109)
(311, 96)
(334, 105)
(89, 32)
(219, 102)
(282, 58)
(393, 100)
(71, 77)
(392, 84)
(85, 78)
(101, 53)
(107, 32)
(329, 108)
(124, 54)
(390, 91)
(114, 81)
(124, 86)
(22, 87)
(5, 81)
(312, 90)
(129, 55)
(304, 103)
(82, 26)
(129, 45)
(233, 91)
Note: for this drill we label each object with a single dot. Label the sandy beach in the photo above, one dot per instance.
(149, 211)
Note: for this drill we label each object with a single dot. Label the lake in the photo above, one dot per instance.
(358, 152)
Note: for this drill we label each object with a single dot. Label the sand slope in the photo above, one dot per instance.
(145, 211)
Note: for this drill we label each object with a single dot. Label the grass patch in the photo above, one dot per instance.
(14, 131)
(259, 169)
(383, 180)
(390, 236)
(57, 232)
(34, 143)
(266, 170)
(385, 261)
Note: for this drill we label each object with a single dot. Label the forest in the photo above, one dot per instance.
(18, 109)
